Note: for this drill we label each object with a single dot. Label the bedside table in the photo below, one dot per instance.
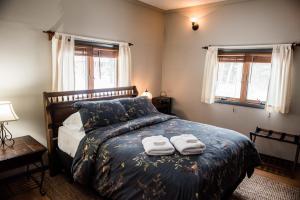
(25, 152)
(163, 104)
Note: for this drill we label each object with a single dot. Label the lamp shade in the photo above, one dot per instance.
(7, 112)
(147, 94)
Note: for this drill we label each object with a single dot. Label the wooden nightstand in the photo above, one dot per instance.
(163, 104)
(25, 152)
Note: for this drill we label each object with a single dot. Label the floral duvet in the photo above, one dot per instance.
(112, 160)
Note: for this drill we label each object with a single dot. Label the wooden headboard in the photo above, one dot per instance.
(59, 105)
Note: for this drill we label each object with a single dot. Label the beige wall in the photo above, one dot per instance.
(25, 52)
(246, 22)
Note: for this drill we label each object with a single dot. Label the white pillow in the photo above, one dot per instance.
(73, 122)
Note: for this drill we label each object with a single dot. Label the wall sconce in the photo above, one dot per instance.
(195, 25)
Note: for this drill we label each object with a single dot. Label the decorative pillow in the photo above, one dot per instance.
(74, 122)
(138, 106)
(95, 114)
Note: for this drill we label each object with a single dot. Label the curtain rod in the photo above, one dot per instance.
(294, 44)
(52, 33)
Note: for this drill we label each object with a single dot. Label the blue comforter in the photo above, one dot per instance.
(113, 161)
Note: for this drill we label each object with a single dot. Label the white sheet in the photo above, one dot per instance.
(68, 140)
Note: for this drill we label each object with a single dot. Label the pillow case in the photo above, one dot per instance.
(138, 106)
(95, 114)
(74, 122)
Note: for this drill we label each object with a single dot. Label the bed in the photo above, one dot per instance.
(111, 159)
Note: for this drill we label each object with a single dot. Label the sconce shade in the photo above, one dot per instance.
(7, 112)
(194, 19)
(147, 94)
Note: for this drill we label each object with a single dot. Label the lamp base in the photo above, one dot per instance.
(5, 137)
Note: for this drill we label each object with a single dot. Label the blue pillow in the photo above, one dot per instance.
(138, 106)
(95, 114)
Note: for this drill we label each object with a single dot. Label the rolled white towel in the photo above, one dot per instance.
(189, 138)
(157, 145)
(159, 142)
(187, 144)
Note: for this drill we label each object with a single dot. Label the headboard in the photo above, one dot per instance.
(59, 105)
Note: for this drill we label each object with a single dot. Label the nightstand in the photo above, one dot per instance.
(25, 152)
(163, 104)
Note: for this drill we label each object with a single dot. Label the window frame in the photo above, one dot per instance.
(90, 48)
(246, 57)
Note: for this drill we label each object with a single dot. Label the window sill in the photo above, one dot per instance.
(249, 105)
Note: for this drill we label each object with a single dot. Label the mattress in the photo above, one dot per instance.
(68, 140)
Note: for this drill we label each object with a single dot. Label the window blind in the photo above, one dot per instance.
(245, 57)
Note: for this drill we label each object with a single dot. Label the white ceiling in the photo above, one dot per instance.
(175, 4)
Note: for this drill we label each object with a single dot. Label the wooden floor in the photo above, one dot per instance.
(35, 195)
(31, 195)
(294, 182)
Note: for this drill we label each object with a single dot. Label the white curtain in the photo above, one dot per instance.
(124, 65)
(63, 72)
(279, 94)
(210, 76)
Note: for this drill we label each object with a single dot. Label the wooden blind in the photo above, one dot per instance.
(80, 51)
(107, 53)
(245, 57)
(96, 51)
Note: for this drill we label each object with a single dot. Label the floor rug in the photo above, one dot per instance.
(262, 188)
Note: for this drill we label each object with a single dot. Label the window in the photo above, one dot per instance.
(243, 78)
(95, 66)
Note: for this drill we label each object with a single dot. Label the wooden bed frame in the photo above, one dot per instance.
(59, 105)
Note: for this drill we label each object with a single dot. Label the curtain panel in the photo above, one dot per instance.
(279, 93)
(124, 65)
(210, 76)
(63, 72)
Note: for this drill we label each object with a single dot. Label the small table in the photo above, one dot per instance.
(163, 104)
(25, 152)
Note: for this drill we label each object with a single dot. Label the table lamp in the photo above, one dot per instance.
(7, 114)
(147, 94)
